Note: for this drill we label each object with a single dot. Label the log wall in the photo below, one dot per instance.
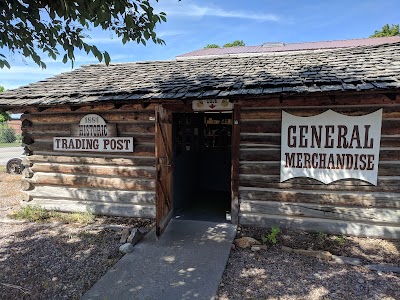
(121, 184)
(343, 207)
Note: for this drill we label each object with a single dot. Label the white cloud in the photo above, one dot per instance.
(188, 9)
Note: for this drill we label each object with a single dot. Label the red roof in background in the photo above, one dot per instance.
(291, 47)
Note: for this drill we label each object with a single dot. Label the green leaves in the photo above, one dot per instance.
(25, 29)
(387, 30)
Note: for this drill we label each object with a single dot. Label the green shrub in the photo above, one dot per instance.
(7, 134)
(271, 237)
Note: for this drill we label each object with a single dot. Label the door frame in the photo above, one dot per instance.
(235, 152)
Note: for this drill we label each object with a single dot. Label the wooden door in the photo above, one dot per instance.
(164, 159)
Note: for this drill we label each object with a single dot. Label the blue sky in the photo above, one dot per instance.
(193, 24)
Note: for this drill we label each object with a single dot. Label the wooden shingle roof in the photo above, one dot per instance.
(365, 68)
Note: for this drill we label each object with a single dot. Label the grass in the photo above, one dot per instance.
(16, 144)
(35, 213)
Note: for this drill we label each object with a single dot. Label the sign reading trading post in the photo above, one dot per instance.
(93, 134)
(331, 146)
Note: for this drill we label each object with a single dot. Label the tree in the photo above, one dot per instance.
(56, 27)
(212, 46)
(3, 115)
(387, 30)
(236, 43)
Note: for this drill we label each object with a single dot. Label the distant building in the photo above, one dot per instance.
(15, 123)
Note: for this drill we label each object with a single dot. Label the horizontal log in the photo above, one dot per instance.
(389, 127)
(273, 168)
(94, 109)
(92, 194)
(89, 160)
(138, 138)
(26, 185)
(276, 112)
(108, 209)
(369, 215)
(352, 99)
(323, 197)
(143, 127)
(116, 171)
(322, 225)
(385, 183)
(75, 117)
(272, 154)
(139, 150)
(93, 181)
(263, 140)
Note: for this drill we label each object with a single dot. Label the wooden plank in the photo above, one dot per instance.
(323, 197)
(322, 225)
(138, 138)
(273, 168)
(90, 160)
(108, 209)
(235, 165)
(392, 111)
(114, 116)
(344, 98)
(389, 126)
(362, 214)
(139, 150)
(272, 154)
(385, 183)
(142, 127)
(263, 140)
(92, 194)
(119, 171)
(93, 181)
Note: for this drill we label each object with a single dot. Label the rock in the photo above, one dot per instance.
(246, 242)
(124, 235)
(347, 260)
(258, 248)
(135, 237)
(361, 281)
(383, 268)
(325, 255)
(233, 247)
(126, 248)
(113, 227)
(287, 249)
(145, 229)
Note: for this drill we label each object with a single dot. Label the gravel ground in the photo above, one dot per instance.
(275, 274)
(62, 261)
(52, 260)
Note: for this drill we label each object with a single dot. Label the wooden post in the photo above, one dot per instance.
(235, 165)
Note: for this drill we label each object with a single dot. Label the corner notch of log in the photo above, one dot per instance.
(27, 139)
(391, 96)
(119, 105)
(144, 104)
(41, 108)
(26, 123)
(27, 151)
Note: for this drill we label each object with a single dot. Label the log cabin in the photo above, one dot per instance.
(210, 138)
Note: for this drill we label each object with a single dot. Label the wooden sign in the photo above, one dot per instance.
(212, 105)
(331, 146)
(93, 134)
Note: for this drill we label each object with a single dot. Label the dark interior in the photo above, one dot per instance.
(202, 166)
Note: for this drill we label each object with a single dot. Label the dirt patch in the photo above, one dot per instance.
(10, 193)
(276, 274)
(53, 260)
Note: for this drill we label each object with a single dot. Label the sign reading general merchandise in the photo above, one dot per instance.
(331, 146)
(93, 134)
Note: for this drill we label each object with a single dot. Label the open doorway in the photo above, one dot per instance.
(202, 166)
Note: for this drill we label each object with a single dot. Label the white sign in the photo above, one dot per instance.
(93, 134)
(212, 105)
(331, 146)
(112, 144)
